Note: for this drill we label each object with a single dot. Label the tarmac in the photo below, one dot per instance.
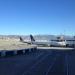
(56, 48)
(40, 62)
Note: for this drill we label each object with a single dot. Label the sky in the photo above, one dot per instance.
(24, 17)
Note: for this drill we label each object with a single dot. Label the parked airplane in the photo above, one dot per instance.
(33, 41)
(44, 43)
(70, 43)
(61, 43)
(21, 40)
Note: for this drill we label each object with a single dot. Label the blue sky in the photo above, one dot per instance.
(24, 17)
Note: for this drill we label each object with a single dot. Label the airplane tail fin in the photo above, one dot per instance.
(21, 39)
(32, 38)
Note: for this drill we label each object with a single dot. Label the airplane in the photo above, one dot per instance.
(34, 42)
(44, 43)
(21, 40)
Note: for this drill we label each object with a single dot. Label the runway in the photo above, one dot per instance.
(40, 62)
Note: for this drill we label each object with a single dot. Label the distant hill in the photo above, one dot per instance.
(37, 37)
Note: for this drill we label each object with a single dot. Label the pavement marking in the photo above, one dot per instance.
(36, 63)
(66, 59)
(57, 48)
(51, 65)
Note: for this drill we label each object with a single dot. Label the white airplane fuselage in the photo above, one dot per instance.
(50, 43)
